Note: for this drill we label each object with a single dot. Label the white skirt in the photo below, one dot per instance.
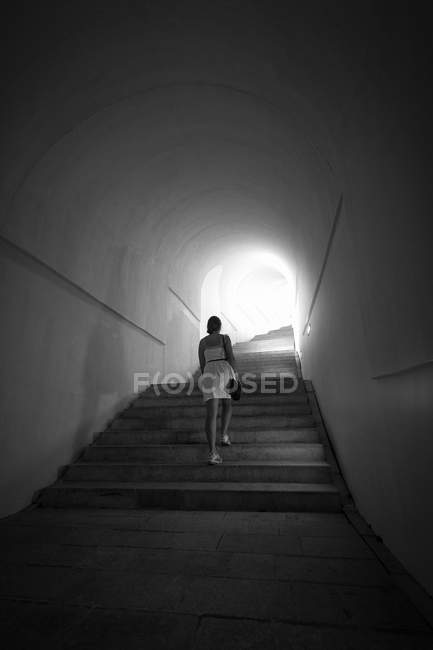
(216, 375)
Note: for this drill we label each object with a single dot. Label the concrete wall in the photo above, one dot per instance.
(370, 350)
(140, 145)
(380, 427)
(67, 367)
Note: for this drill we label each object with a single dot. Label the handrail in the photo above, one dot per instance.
(17, 249)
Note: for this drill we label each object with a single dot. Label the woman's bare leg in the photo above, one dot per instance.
(226, 416)
(211, 418)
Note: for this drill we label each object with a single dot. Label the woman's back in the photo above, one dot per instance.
(214, 347)
(213, 339)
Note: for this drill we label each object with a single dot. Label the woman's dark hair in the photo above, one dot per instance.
(213, 324)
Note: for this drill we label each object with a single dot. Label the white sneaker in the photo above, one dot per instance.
(225, 440)
(214, 459)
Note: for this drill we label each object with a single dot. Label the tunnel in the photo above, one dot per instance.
(162, 162)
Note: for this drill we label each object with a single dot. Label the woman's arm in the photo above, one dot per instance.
(229, 350)
(201, 357)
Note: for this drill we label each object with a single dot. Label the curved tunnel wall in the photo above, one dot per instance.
(127, 211)
(140, 151)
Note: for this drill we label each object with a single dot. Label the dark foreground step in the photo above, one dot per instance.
(234, 471)
(166, 421)
(178, 453)
(167, 436)
(268, 497)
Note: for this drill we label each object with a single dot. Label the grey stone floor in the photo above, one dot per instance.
(123, 580)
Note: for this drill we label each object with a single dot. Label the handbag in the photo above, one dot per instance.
(234, 386)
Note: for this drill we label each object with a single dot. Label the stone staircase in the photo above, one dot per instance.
(154, 453)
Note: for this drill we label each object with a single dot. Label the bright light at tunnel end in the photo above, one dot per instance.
(253, 290)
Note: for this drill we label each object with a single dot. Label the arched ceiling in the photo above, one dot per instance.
(144, 145)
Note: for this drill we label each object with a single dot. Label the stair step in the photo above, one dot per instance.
(196, 399)
(157, 453)
(265, 357)
(256, 361)
(270, 384)
(198, 410)
(269, 497)
(244, 350)
(276, 365)
(287, 331)
(154, 454)
(150, 396)
(250, 347)
(167, 436)
(272, 369)
(249, 471)
(166, 421)
(281, 344)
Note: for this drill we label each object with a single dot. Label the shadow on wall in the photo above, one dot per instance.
(104, 359)
(183, 334)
